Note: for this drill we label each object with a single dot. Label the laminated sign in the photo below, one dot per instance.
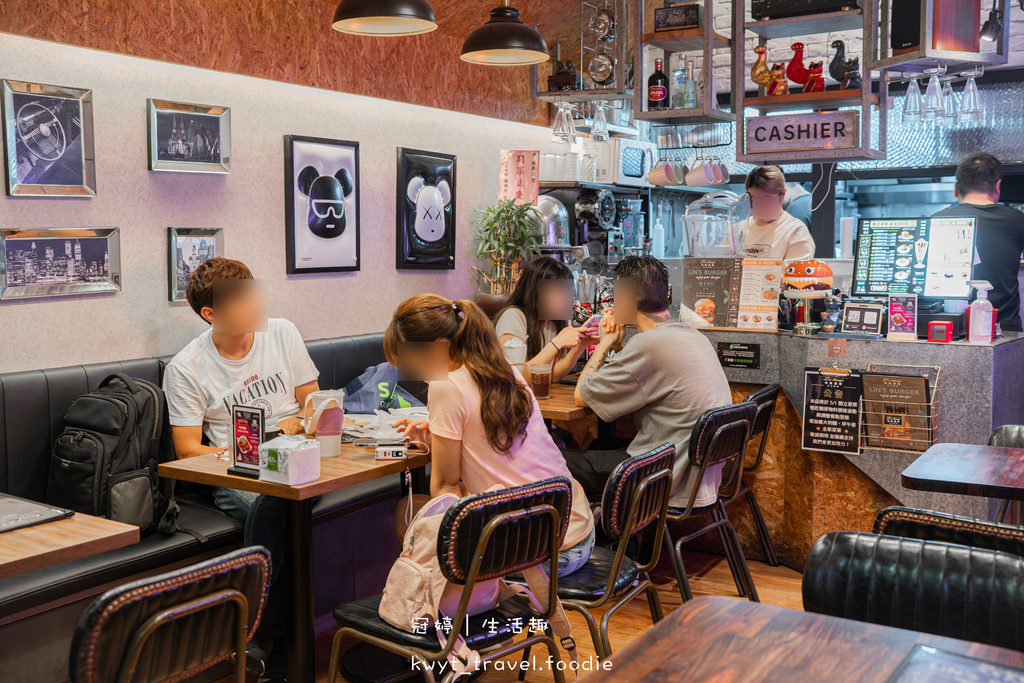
(800, 132)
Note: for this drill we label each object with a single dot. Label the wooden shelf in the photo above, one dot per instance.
(683, 40)
(829, 99)
(808, 157)
(674, 117)
(825, 22)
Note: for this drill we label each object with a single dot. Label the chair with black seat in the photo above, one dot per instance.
(635, 497)
(927, 586)
(928, 525)
(173, 625)
(719, 437)
(766, 399)
(1006, 436)
(483, 536)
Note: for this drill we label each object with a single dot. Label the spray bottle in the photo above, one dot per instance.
(979, 329)
(658, 235)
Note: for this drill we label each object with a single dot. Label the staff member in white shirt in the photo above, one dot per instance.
(771, 232)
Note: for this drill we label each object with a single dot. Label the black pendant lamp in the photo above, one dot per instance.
(384, 17)
(505, 41)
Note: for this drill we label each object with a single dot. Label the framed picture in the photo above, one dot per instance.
(321, 198)
(59, 261)
(187, 249)
(189, 138)
(49, 141)
(425, 214)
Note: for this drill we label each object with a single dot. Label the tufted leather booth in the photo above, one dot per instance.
(175, 624)
(949, 590)
(32, 406)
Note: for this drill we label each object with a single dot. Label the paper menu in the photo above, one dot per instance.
(760, 284)
(739, 293)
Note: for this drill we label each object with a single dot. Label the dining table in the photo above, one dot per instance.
(971, 470)
(561, 404)
(725, 639)
(355, 465)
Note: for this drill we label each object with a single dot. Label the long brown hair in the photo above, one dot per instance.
(507, 405)
(526, 297)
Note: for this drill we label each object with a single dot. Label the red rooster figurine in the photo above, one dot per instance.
(778, 86)
(815, 81)
(797, 72)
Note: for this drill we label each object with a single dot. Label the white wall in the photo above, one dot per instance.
(248, 204)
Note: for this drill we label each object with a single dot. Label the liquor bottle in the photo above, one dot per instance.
(657, 88)
(690, 89)
(678, 82)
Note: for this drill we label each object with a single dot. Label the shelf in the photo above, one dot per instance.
(573, 185)
(829, 99)
(584, 125)
(678, 117)
(683, 40)
(826, 22)
(812, 157)
(583, 95)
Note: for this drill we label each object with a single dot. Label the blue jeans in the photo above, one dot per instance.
(571, 559)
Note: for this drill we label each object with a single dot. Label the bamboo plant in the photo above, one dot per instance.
(507, 234)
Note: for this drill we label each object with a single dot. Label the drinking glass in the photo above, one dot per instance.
(912, 103)
(599, 128)
(971, 109)
(949, 101)
(564, 130)
(571, 167)
(540, 380)
(933, 108)
(550, 166)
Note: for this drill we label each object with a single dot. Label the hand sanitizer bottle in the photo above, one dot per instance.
(982, 314)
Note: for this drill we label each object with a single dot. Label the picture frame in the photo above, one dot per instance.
(49, 262)
(187, 248)
(425, 212)
(321, 205)
(48, 140)
(188, 138)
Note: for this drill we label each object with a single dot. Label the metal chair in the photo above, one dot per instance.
(482, 537)
(720, 436)
(766, 399)
(1007, 436)
(635, 497)
(174, 625)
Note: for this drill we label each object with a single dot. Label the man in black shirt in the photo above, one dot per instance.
(999, 235)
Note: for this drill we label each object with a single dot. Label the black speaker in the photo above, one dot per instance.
(906, 25)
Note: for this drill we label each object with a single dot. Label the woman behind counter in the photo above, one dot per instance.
(771, 232)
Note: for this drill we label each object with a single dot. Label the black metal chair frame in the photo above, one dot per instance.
(761, 427)
(720, 520)
(424, 658)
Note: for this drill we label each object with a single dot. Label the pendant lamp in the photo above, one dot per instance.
(384, 17)
(505, 41)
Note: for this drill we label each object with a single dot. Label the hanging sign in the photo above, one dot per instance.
(799, 132)
(832, 411)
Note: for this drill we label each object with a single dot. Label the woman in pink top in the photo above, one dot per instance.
(485, 426)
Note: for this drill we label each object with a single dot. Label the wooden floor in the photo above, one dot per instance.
(708, 575)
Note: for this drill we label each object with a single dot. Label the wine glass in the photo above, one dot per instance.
(971, 109)
(912, 103)
(949, 100)
(599, 128)
(564, 130)
(933, 108)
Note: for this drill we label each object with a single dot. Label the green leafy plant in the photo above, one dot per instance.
(507, 234)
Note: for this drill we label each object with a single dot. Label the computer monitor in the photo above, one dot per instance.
(930, 257)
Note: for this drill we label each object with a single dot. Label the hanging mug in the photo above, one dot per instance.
(662, 174)
(700, 174)
(726, 175)
(326, 421)
(681, 169)
(716, 171)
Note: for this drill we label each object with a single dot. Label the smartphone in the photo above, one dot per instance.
(593, 321)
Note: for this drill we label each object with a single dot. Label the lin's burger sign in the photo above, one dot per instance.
(797, 132)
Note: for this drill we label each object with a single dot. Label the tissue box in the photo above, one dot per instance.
(290, 460)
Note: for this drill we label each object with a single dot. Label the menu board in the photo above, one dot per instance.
(519, 175)
(732, 292)
(831, 411)
(930, 257)
(247, 432)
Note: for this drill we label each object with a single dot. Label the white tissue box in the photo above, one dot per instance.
(290, 460)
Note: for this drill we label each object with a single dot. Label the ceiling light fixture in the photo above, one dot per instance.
(505, 41)
(384, 17)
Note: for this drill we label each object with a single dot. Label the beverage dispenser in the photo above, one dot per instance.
(716, 224)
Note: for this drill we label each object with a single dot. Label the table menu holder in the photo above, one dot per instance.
(899, 408)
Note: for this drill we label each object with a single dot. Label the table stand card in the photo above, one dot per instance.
(831, 411)
(902, 317)
(247, 429)
(732, 292)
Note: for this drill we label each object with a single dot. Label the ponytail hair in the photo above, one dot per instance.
(506, 405)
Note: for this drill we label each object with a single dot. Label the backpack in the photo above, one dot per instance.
(377, 389)
(415, 588)
(105, 461)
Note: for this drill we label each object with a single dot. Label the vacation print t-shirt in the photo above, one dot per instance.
(202, 386)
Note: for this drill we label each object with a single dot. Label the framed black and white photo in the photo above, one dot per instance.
(187, 249)
(189, 138)
(59, 261)
(425, 215)
(48, 140)
(321, 204)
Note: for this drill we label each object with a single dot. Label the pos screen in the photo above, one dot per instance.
(930, 257)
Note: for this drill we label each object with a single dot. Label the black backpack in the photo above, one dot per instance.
(105, 461)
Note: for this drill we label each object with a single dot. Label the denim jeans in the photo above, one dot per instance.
(571, 559)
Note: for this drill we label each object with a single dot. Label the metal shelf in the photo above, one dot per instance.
(678, 117)
(683, 40)
(790, 27)
(584, 125)
(829, 99)
(575, 96)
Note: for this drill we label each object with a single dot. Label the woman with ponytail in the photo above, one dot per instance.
(485, 426)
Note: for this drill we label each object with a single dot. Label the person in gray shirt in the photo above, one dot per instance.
(668, 375)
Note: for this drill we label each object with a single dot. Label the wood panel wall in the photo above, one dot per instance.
(292, 41)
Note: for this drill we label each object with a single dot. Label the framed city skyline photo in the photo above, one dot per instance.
(187, 249)
(425, 214)
(189, 138)
(48, 134)
(59, 261)
(321, 205)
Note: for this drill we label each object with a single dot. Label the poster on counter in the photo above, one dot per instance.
(732, 292)
(902, 317)
(519, 175)
(831, 411)
(759, 294)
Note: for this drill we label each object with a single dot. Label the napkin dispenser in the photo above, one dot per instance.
(290, 460)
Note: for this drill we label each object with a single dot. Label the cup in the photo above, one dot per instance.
(327, 420)
(662, 174)
(571, 167)
(716, 171)
(726, 175)
(680, 169)
(540, 380)
(700, 174)
(588, 169)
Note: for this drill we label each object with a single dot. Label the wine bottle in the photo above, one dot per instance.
(657, 88)
(690, 89)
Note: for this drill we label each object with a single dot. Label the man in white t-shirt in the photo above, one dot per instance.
(772, 233)
(244, 359)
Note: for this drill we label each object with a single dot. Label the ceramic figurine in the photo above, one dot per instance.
(779, 86)
(815, 81)
(837, 67)
(797, 72)
(851, 79)
(760, 73)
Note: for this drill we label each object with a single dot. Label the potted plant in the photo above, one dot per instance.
(507, 234)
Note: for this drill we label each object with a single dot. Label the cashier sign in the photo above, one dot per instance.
(794, 132)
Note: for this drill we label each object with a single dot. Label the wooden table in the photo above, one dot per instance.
(562, 404)
(970, 470)
(354, 466)
(725, 639)
(62, 540)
